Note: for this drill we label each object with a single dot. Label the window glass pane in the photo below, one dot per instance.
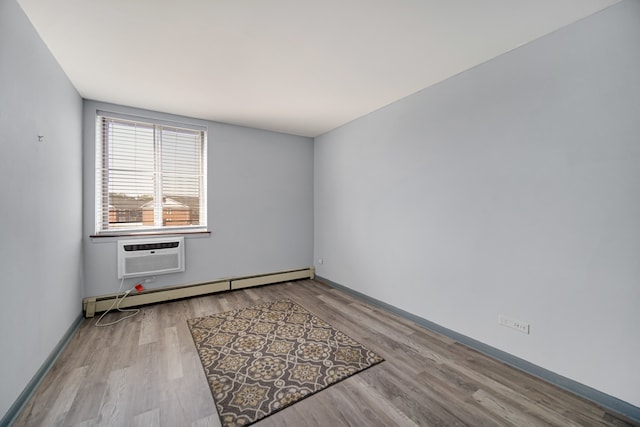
(130, 173)
(181, 173)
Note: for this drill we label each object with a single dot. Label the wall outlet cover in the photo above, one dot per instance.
(518, 325)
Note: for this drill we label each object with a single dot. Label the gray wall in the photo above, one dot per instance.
(260, 203)
(512, 188)
(40, 203)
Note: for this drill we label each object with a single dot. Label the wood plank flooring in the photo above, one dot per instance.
(145, 371)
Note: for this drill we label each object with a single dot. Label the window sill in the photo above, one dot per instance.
(150, 233)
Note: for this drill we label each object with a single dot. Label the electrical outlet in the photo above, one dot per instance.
(320, 261)
(518, 325)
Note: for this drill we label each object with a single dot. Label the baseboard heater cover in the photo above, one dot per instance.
(245, 282)
(93, 305)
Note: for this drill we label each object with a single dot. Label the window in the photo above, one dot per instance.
(150, 176)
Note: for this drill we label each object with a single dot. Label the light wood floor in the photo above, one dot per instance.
(145, 372)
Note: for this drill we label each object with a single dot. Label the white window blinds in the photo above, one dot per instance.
(149, 176)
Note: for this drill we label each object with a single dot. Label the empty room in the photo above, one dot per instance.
(356, 213)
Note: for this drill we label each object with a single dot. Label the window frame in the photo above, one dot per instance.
(102, 176)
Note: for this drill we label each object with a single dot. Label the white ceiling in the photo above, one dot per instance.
(297, 66)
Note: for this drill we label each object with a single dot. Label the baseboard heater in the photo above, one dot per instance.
(265, 279)
(93, 305)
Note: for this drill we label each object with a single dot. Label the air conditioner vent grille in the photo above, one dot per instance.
(152, 264)
(149, 246)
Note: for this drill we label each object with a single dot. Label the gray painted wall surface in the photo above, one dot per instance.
(260, 203)
(512, 188)
(40, 203)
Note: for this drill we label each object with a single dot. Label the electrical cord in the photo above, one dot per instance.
(116, 304)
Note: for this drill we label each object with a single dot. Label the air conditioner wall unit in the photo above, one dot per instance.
(150, 257)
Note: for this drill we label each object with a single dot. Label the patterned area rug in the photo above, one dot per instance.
(261, 359)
